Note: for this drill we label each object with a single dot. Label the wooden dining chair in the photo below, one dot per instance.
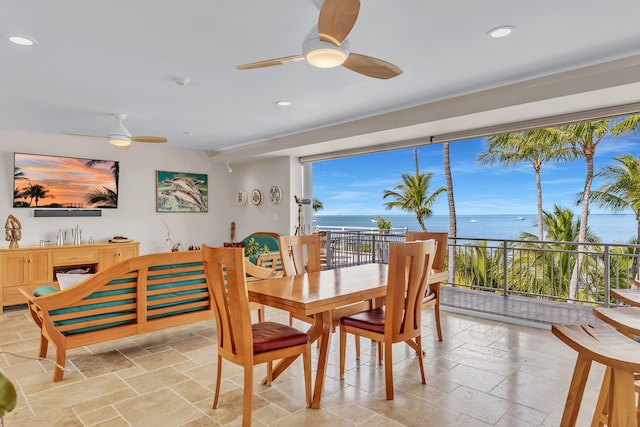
(253, 273)
(432, 293)
(239, 341)
(400, 319)
(300, 254)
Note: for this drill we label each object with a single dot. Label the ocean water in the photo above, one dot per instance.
(609, 228)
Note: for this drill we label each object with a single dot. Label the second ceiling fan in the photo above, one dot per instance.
(120, 137)
(326, 45)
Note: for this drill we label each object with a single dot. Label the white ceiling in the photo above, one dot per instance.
(96, 58)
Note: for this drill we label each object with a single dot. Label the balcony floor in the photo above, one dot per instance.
(484, 373)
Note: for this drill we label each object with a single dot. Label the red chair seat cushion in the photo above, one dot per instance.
(268, 336)
(371, 320)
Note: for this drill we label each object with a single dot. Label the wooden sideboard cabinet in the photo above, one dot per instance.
(33, 266)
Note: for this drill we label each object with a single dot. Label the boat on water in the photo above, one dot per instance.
(519, 218)
(473, 220)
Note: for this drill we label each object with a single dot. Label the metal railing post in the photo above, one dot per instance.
(329, 251)
(607, 274)
(373, 249)
(505, 268)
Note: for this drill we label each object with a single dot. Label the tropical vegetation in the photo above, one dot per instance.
(412, 195)
(564, 259)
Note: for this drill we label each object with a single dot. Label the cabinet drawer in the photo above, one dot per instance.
(65, 257)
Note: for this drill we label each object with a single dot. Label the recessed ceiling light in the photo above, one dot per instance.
(187, 133)
(284, 103)
(22, 41)
(501, 31)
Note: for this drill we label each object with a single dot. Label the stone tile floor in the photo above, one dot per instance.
(484, 373)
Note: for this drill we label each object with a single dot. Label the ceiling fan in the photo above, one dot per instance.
(326, 45)
(120, 137)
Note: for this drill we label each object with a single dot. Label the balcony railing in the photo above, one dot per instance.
(534, 269)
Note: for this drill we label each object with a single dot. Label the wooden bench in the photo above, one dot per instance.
(143, 294)
(621, 355)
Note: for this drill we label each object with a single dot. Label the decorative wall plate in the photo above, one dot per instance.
(275, 195)
(256, 197)
(241, 198)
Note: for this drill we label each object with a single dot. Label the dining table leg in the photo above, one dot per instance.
(322, 325)
(320, 329)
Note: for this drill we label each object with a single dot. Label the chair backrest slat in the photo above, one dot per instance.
(409, 268)
(300, 254)
(442, 240)
(224, 269)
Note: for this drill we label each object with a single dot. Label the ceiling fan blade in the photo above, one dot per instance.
(148, 139)
(337, 18)
(372, 67)
(84, 134)
(270, 62)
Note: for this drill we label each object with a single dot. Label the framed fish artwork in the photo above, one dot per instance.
(181, 192)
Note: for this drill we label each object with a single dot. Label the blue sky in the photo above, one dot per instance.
(354, 185)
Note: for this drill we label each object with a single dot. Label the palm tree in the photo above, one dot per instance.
(548, 270)
(479, 266)
(621, 191)
(105, 198)
(583, 138)
(36, 192)
(316, 205)
(18, 194)
(411, 195)
(18, 174)
(115, 168)
(453, 226)
(536, 146)
(630, 124)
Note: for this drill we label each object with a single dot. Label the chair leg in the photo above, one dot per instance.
(638, 406)
(380, 352)
(388, 370)
(218, 377)
(576, 390)
(601, 414)
(269, 372)
(44, 345)
(248, 396)
(622, 402)
(436, 313)
(357, 338)
(306, 360)
(343, 349)
(261, 315)
(420, 361)
(61, 356)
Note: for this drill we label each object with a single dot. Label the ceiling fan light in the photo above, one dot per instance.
(119, 140)
(325, 57)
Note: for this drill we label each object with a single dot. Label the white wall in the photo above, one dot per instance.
(136, 215)
(283, 172)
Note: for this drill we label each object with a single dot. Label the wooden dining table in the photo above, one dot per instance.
(319, 295)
